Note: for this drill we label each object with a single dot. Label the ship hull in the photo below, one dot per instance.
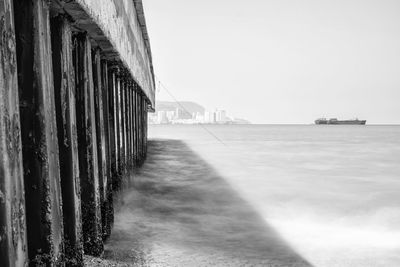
(339, 122)
(348, 122)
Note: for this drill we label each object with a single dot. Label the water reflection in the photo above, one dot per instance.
(181, 212)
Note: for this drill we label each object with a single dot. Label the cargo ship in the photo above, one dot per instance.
(335, 121)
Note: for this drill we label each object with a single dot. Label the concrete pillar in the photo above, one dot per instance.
(128, 126)
(85, 110)
(145, 117)
(117, 179)
(141, 126)
(13, 250)
(140, 114)
(108, 204)
(112, 81)
(123, 125)
(38, 131)
(64, 87)
(135, 125)
(137, 130)
(132, 124)
(100, 134)
(147, 128)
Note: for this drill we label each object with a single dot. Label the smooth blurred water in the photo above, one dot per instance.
(332, 192)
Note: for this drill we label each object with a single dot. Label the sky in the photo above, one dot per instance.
(280, 61)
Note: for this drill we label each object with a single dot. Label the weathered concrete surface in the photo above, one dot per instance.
(107, 205)
(113, 123)
(128, 126)
(101, 136)
(135, 154)
(88, 162)
(38, 131)
(64, 86)
(137, 126)
(123, 123)
(119, 28)
(146, 129)
(117, 183)
(181, 212)
(133, 125)
(13, 251)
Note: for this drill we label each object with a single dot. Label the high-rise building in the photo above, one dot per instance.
(162, 117)
(170, 115)
(209, 117)
(181, 114)
(221, 116)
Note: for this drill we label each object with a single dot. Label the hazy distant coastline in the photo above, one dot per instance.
(187, 112)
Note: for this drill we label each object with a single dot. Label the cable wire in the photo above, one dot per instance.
(183, 108)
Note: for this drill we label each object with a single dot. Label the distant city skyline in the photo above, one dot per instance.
(280, 61)
(193, 113)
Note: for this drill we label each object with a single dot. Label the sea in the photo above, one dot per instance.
(331, 192)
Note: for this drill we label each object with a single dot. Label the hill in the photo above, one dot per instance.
(191, 107)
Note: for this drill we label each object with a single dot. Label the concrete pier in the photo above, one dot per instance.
(76, 82)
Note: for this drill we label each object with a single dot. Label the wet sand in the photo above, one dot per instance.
(180, 212)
